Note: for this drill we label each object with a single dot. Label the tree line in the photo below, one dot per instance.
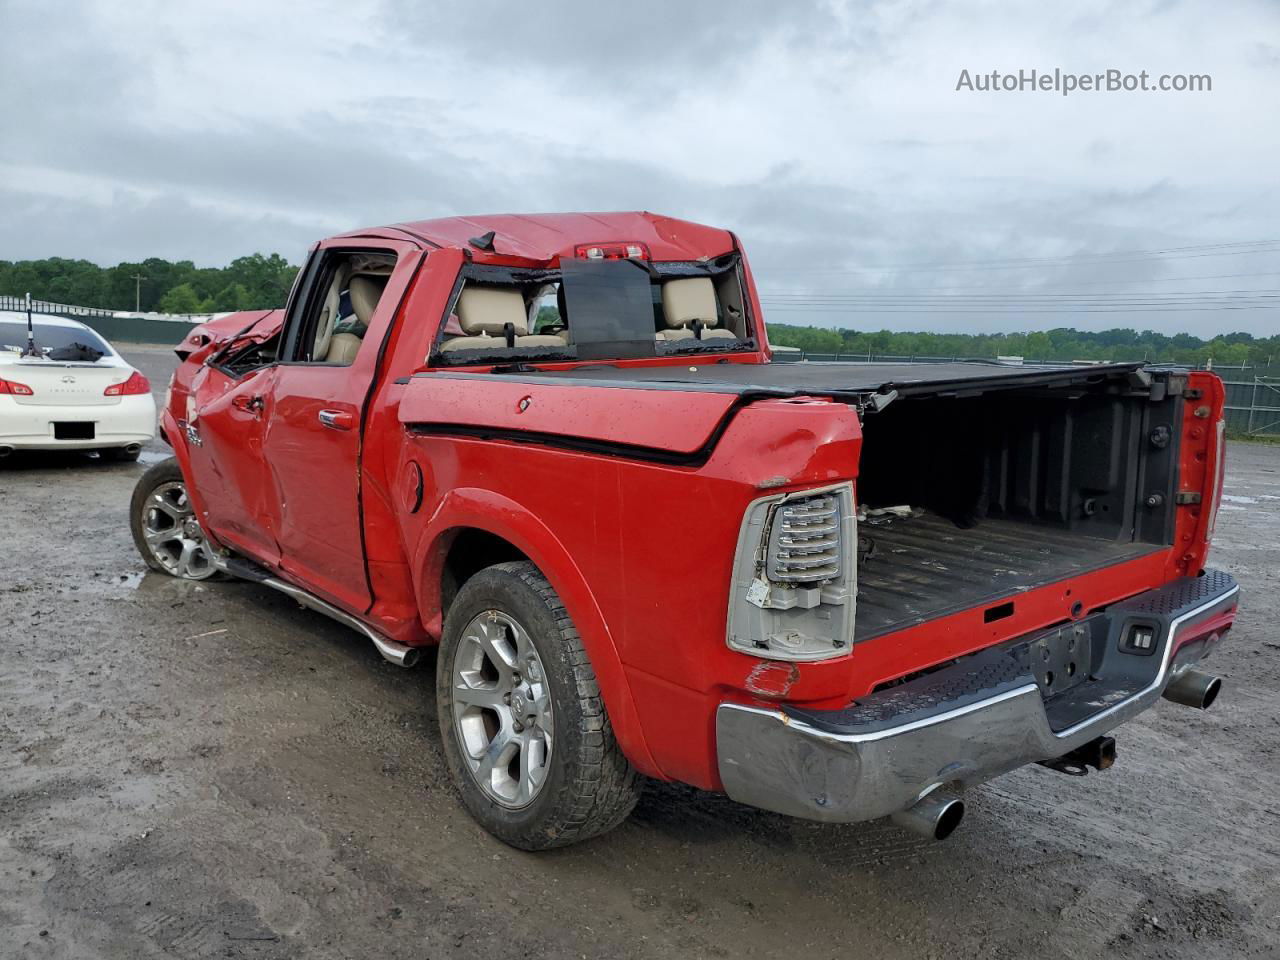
(262, 281)
(248, 283)
(1061, 343)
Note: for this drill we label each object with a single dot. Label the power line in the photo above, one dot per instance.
(1066, 309)
(1240, 248)
(1187, 295)
(1098, 283)
(1060, 305)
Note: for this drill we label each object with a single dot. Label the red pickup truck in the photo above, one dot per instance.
(558, 448)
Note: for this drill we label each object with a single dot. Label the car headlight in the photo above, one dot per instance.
(795, 579)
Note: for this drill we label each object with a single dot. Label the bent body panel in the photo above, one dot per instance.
(681, 421)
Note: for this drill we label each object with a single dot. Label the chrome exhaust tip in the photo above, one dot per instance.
(1193, 688)
(5, 451)
(133, 448)
(935, 815)
(397, 653)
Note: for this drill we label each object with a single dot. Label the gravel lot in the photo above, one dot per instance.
(207, 771)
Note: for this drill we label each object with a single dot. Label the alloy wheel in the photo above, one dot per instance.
(502, 709)
(173, 535)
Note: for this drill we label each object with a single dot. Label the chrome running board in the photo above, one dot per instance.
(391, 650)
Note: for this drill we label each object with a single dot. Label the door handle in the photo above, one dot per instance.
(336, 419)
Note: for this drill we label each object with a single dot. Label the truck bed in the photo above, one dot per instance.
(926, 567)
(842, 380)
(1004, 445)
(834, 378)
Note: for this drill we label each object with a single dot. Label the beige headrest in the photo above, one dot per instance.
(365, 293)
(488, 310)
(689, 299)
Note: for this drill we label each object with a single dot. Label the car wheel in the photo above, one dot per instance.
(164, 525)
(120, 454)
(524, 729)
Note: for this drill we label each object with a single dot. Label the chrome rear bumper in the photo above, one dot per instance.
(983, 716)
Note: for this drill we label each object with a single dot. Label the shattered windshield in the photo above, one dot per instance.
(595, 309)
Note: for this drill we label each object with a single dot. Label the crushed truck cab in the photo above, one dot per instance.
(558, 447)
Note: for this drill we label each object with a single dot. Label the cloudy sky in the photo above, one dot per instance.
(831, 136)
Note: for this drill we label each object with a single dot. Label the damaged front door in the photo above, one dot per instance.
(227, 430)
(314, 443)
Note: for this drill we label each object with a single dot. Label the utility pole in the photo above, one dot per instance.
(137, 279)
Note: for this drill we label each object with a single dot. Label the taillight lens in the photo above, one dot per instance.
(805, 541)
(1215, 492)
(136, 384)
(9, 388)
(795, 576)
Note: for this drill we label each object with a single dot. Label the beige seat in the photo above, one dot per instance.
(343, 347)
(687, 301)
(365, 292)
(483, 314)
(328, 315)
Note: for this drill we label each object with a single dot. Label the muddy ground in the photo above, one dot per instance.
(207, 771)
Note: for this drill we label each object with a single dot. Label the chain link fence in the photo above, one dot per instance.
(19, 304)
(1253, 406)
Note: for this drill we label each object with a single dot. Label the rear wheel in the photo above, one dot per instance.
(524, 729)
(164, 525)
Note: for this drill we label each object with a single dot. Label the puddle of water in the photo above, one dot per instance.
(113, 585)
(145, 582)
(153, 456)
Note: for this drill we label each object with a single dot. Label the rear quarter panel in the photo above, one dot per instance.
(640, 552)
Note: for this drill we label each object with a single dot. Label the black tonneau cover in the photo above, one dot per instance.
(841, 380)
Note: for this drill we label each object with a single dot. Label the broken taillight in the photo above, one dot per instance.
(136, 384)
(1219, 471)
(10, 388)
(611, 251)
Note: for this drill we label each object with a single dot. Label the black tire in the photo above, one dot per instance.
(164, 472)
(120, 454)
(590, 786)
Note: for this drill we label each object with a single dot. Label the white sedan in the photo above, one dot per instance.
(74, 393)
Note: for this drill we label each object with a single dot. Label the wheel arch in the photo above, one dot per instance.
(474, 520)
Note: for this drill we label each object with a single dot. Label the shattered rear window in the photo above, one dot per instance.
(13, 337)
(594, 309)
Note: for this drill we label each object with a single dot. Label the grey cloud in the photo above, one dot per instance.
(836, 209)
(132, 228)
(619, 48)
